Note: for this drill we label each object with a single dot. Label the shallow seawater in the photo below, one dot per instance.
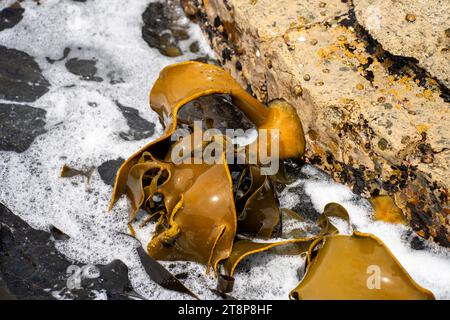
(85, 126)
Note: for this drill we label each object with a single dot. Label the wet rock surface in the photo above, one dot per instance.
(32, 268)
(64, 56)
(292, 170)
(11, 16)
(214, 111)
(21, 78)
(90, 64)
(139, 127)
(416, 29)
(108, 170)
(162, 28)
(385, 131)
(84, 68)
(19, 126)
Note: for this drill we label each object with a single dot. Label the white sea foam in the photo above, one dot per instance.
(84, 135)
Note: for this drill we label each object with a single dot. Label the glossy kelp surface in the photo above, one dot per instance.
(296, 245)
(217, 214)
(191, 192)
(385, 209)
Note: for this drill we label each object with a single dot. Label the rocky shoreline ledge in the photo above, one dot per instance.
(369, 79)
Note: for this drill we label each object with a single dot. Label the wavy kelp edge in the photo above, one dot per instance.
(325, 291)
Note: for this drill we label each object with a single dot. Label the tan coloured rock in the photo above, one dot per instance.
(418, 29)
(371, 120)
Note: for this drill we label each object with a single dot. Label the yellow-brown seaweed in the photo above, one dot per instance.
(385, 209)
(198, 222)
(201, 212)
(201, 221)
(183, 82)
(261, 213)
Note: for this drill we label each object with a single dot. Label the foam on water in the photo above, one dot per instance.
(83, 124)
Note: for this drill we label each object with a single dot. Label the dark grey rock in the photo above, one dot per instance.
(304, 207)
(21, 77)
(417, 243)
(115, 278)
(11, 16)
(58, 234)
(139, 127)
(19, 126)
(30, 266)
(84, 68)
(161, 29)
(108, 170)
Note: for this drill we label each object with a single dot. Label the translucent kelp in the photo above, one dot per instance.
(198, 219)
(218, 213)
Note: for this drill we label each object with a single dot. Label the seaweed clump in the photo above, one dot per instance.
(218, 212)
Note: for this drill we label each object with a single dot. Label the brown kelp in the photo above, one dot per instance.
(217, 213)
(362, 268)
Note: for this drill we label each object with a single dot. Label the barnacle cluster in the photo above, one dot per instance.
(218, 213)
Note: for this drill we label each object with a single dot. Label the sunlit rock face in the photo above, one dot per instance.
(84, 129)
(417, 30)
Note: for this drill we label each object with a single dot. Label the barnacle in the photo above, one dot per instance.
(211, 213)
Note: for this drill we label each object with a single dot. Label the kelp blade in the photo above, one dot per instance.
(160, 275)
(357, 267)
